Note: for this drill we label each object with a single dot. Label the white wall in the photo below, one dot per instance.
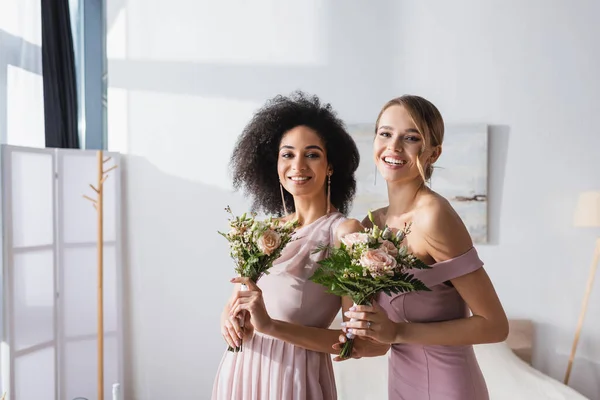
(21, 83)
(185, 76)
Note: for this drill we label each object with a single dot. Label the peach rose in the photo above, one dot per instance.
(378, 262)
(389, 248)
(355, 238)
(268, 242)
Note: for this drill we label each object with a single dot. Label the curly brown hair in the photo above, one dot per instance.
(254, 159)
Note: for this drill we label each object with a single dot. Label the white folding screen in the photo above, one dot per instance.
(29, 250)
(50, 275)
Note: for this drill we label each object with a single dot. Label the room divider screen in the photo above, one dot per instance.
(49, 275)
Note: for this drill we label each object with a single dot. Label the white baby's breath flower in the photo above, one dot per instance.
(355, 239)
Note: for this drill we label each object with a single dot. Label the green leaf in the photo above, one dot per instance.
(370, 214)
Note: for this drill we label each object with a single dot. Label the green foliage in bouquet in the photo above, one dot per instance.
(367, 263)
(255, 244)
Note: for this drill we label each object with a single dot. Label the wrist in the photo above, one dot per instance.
(225, 313)
(270, 328)
(400, 332)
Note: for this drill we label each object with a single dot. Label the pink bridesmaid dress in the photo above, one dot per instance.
(418, 372)
(271, 369)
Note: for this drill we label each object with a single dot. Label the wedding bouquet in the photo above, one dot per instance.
(367, 263)
(255, 244)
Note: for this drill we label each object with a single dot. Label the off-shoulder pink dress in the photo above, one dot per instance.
(268, 368)
(419, 372)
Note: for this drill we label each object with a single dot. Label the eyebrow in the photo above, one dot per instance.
(409, 130)
(311, 147)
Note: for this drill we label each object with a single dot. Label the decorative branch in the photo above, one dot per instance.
(93, 187)
(90, 199)
(106, 160)
(110, 169)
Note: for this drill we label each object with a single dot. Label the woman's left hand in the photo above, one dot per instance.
(252, 301)
(371, 322)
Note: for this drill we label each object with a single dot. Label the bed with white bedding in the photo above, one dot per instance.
(504, 365)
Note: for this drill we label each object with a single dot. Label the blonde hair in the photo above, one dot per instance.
(428, 120)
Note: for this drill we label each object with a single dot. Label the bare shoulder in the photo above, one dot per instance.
(350, 225)
(281, 220)
(378, 216)
(441, 227)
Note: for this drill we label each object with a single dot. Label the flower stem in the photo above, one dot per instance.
(346, 351)
(237, 349)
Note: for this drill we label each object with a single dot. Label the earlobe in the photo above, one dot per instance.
(437, 152)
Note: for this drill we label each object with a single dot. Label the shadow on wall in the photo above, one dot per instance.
(178, 308)
(585, 375)
(498, 138)
(352, 40)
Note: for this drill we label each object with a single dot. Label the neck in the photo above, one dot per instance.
(309, 209)
(402, 195)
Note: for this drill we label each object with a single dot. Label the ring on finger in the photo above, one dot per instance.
(368, 324)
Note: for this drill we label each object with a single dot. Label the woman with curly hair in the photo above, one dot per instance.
(296, 160)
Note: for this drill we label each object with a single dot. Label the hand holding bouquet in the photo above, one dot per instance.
(255, 245)
(367, 263)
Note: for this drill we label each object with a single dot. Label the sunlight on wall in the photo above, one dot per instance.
(116, 36)
(22, 18)
(25, 108)
(232, 32)
(117, 99)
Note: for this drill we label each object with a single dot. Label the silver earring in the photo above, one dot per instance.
(328, 193)
(283, 199)
(375, 175)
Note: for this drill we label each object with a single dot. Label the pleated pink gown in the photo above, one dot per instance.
(268, 368)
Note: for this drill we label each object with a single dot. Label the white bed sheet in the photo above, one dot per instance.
(509, 377)
(506, 375)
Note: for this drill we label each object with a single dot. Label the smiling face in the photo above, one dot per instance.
(302, 162)
(399, 148)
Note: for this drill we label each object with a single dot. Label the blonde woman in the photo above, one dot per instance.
(431, 333)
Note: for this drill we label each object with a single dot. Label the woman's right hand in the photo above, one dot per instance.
(362, 347)
(231, 329)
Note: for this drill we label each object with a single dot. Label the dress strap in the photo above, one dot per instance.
(449, 269)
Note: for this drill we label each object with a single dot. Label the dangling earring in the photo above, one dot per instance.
(283, 199)
(430, 173)
(375, 177)
(328, 193)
